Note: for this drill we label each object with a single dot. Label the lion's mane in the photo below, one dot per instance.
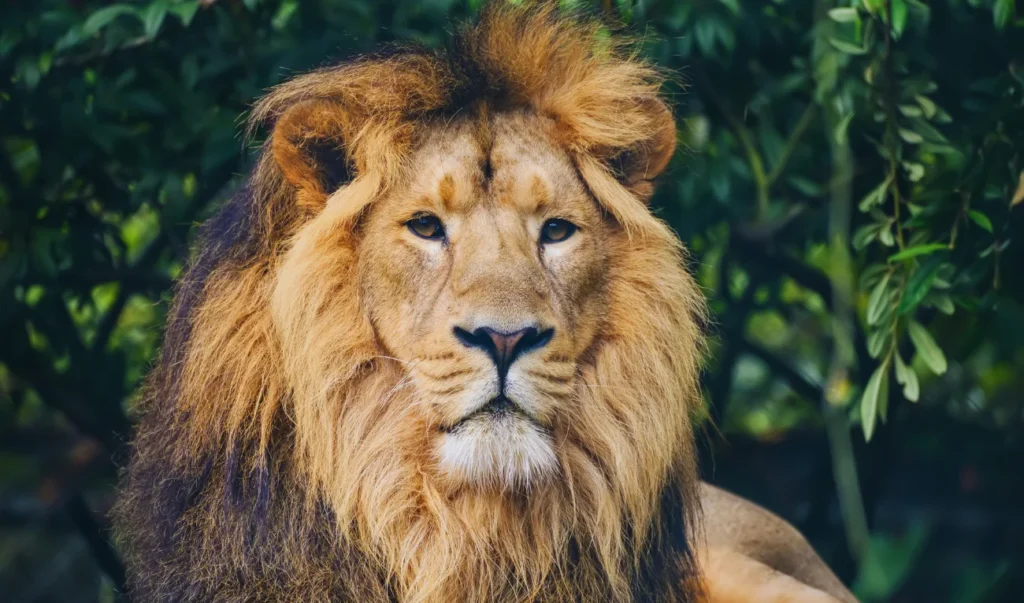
(262, 469)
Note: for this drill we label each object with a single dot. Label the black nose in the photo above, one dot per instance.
(502, 347)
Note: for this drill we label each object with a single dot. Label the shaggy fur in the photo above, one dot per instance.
(289, 442)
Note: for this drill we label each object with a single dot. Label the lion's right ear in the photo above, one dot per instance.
(308, 144)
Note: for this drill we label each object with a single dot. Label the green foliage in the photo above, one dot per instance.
(847, 182)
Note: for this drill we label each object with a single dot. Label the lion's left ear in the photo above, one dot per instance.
(638, 166)
(309, 145)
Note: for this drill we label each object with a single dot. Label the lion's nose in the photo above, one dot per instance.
(503, 347)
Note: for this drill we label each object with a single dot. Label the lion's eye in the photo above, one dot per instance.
(427, 226)
(556, 230)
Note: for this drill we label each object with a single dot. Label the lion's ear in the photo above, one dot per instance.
(309, 147)
(638, 166)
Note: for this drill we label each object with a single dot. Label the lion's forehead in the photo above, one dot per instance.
(511, 160)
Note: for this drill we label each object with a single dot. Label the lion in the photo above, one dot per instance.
(439, 349)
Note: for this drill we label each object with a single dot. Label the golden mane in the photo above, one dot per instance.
(252, 480)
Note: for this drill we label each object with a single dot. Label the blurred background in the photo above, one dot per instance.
(848, 184)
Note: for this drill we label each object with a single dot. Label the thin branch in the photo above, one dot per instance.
(800, 384)
(801, 127)
(745, 139)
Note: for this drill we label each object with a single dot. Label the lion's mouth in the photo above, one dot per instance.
(498, 408)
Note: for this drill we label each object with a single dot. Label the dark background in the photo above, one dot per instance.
(847, 183)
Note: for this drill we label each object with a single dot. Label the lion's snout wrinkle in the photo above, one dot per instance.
(504, 347)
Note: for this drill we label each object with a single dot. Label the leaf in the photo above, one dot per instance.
(153, 17)
(885, 235)
(911, 136)
(865, 234)
(1002, 12)
(899, 17)
(911, 110)
(875, 197)
(943, 302)
(876, 299)
(185, 12)
(913, 252)
(877, 340)
(907, 377)
(929, 351)
(843, 15)
(918, 285)
(877, 388)
(1018, 195)
(980, 219)
(915, 171)
(927, 105)
(840, 130)
(284, 14)
(846, 47)
(104, 16)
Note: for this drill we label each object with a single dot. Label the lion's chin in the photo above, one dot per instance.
(505, 450)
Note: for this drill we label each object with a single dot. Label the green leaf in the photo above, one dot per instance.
(1002, 12)
(926, 347)
(885, 235)
(843, 15)
(877, 300)
(927, 105)
(899, 17)
(840, 130)
(877, 388)
(918, 285)
(907, 377)
(185, 12)
(153, 17)
(980, 219)
(911, 110)
(284, 14)
(913, 252)
(942, 302)
(875, 197)
(911, 136)
(865, 234)
(877, 340)
(846, 47)
(104, 16)
(874, 6)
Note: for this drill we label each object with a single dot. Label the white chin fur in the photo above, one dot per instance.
(507, 451)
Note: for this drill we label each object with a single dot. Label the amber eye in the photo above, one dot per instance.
(427, 226)
(556, 231)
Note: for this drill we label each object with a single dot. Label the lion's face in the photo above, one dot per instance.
(450, 316)
(484, 275)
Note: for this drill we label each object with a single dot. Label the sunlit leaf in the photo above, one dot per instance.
(899, 17)
(843, 15)
(877, 388)
(926, 347)
(980, 219)
(1018, 195)
(913, 252)
(907, 377)
(877, 300)
(846, 47)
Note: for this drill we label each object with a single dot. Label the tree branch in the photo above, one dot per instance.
(801, 127)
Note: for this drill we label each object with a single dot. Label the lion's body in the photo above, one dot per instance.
(324, 424)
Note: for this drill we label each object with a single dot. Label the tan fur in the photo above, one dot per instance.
(337, 329)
